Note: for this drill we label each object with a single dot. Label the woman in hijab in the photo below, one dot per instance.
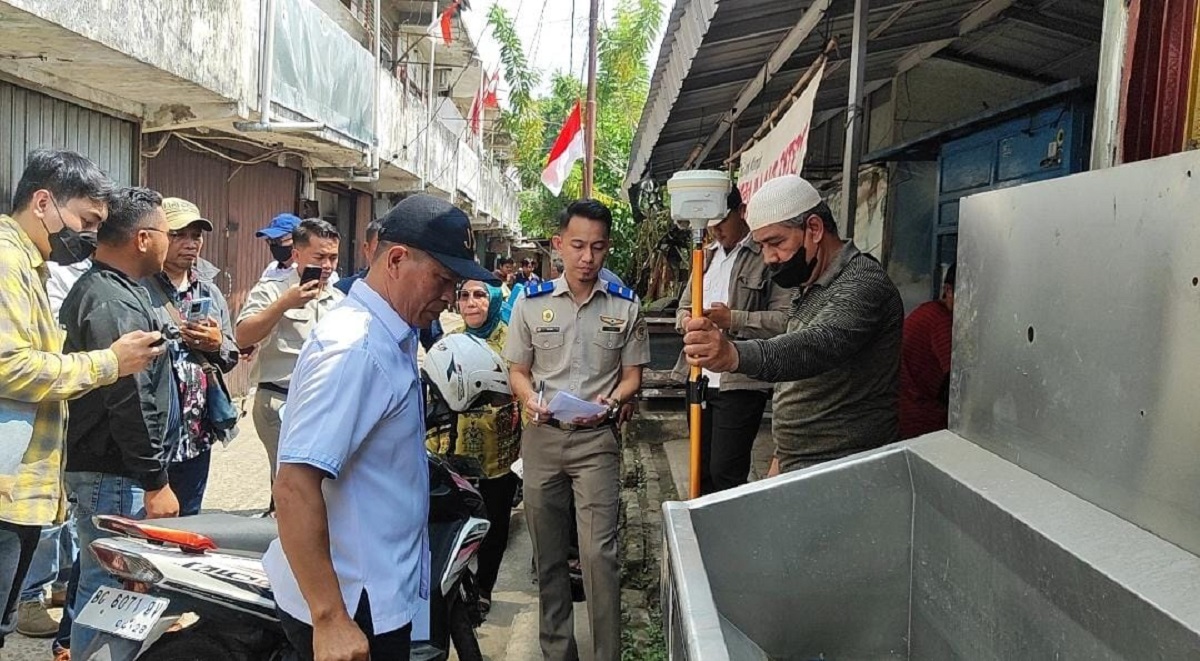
(490, 433)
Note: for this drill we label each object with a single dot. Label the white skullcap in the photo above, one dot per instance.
(779, 199)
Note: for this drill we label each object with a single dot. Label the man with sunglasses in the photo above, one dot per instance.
(117, 450)
(59, 202)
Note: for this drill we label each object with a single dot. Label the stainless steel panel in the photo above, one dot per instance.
(930, 549)
(1008, 566)
(1077, 311)
(815, 563)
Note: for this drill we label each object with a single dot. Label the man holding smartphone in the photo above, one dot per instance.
(280, 312)
(117, 435)
(185, 293)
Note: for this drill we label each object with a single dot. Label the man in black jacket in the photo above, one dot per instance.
(116, 463)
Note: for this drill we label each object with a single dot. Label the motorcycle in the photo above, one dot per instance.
(210, 566)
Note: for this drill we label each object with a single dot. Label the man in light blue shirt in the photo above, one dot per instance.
(351, 565)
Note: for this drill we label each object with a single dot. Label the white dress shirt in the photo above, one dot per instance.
(716, 286)
(355, 411)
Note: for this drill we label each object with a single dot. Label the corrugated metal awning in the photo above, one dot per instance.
(713, 49)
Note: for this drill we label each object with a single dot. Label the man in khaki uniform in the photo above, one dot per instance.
(741, 300)
(278, 315)
(583, 335)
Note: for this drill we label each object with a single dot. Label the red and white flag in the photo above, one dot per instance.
(567, 149)
(444, 22)
(485, 97)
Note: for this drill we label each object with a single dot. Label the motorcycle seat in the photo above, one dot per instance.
(227, 531)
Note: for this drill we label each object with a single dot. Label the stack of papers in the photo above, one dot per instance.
(566, 406)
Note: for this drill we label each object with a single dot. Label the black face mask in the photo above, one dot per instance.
(794, 272)
(282, 254)
(68, 246)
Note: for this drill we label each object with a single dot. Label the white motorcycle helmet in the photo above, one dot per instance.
(463, 368)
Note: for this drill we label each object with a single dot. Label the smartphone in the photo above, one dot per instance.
(309, 274)
(198, 309)
(167, 333)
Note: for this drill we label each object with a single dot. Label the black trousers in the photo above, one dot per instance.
(390, 646)
(730, 423)
(497, 498)
(17, 544)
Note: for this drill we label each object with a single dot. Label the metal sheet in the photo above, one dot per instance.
(971, 556)
(30, 120)
(844, 553)
(1008, 566)
(1075, 337)
(238, 200)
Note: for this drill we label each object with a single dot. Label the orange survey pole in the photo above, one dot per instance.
(697, 197)
(696, 379)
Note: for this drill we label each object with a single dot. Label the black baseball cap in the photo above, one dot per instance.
(439, 228)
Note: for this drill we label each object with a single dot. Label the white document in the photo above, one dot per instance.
(568, 407)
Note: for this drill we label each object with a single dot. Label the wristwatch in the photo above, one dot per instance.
(614, 409)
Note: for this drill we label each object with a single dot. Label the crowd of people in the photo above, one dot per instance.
(114, 343)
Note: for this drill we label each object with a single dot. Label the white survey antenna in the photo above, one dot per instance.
(698, 196)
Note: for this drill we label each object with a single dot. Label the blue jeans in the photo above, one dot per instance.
(62, 640)
(17, 544)
(92, 494)
(52, 560)
(188, 480)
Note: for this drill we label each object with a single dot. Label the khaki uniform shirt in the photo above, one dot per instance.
(758, 310)
(577, 348)
(277, 353)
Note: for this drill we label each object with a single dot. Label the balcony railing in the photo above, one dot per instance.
(325, 74)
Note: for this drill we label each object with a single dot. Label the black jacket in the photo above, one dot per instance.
(119, 428)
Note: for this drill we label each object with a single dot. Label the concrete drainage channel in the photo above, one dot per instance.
(645, 484)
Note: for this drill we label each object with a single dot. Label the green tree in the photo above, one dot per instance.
(533, 122)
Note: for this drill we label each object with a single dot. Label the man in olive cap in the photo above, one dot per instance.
(837, 366)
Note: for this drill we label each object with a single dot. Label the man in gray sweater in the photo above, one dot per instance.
(837, 366)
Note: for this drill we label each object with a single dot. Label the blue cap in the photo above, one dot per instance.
(281, 226)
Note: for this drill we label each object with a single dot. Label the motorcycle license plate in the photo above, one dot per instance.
(122, 613)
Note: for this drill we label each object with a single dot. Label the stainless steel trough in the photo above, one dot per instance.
(1059, 519)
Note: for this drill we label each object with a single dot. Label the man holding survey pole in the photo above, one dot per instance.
(576, 347)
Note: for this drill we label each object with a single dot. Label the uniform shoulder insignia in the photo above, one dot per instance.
(619, 291)
(540, 288)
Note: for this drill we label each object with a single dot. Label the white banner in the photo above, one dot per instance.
(782, 150)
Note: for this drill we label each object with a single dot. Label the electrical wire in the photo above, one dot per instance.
(195, 145)
(537, 33)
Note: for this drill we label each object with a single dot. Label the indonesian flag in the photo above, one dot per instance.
(485, 97)
(444, 22)
(567, 149)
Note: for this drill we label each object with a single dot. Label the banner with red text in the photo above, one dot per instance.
(782, 150)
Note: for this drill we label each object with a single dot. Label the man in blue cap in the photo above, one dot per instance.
(279, 240)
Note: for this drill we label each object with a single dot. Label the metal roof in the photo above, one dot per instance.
(713, 48)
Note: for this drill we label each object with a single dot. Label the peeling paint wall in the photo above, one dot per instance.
(202, 41)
